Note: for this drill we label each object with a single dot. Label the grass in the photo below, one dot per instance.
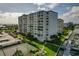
(49, 48)
(20, 36)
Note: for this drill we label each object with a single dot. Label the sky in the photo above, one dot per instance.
(9, 12)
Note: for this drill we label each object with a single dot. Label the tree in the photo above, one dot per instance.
(29, 35)
(59, 34)
(71, 25)
(53, 37)
(18, 53)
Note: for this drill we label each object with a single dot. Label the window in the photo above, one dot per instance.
(47, 18)
(47, 21)
(40, 26)
(46, 34)
(35, 33)
(38, 34)
(46, 29)
(40, 29)
(47, 12)
(47, 24)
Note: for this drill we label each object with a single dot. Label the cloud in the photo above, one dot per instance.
(52, 5)
(43, 8)
(72, 15)
(39, 4)
(46, 6)
(9, 17)
(12, 17)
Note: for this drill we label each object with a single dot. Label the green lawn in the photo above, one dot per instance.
(51, 49)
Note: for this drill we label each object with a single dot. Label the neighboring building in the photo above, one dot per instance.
(41, 24)
(60, 25)
(2, 26)
(66, 24)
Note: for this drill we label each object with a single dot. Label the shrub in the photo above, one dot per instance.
(18, 53)
(53, 37)
(29, 35)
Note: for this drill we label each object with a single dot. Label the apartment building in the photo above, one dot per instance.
(41, 24)
(60, 25)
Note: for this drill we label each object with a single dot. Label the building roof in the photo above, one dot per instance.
(60, 20)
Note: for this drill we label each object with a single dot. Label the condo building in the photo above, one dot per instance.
(41, 24)
(60, 25)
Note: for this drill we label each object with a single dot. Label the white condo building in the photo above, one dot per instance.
(41, 24)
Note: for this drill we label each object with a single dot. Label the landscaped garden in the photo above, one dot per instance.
(49, 48)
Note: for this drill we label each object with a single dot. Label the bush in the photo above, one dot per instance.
(23, 34)
(34, 51)
(59, 34)
(29, 35)
(53, 37)
(18, 53)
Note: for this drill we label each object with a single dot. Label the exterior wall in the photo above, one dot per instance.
(60, 25)
(41, 24)
(53, 25)
(20, 24)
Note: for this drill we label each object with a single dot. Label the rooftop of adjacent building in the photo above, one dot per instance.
(60, 20)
